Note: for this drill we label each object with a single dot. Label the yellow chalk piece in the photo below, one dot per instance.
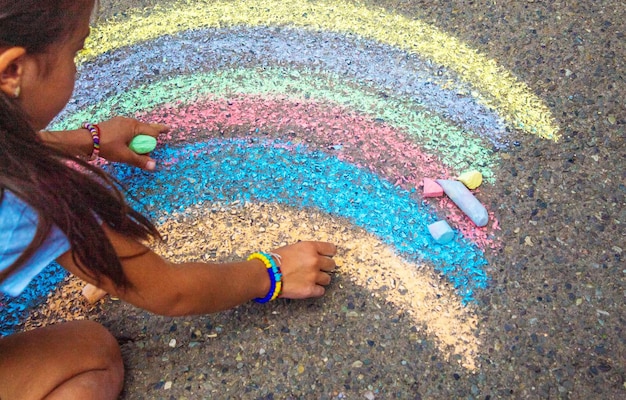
(471, 179)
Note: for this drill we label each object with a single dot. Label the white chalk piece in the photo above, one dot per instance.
(441, 232)
(92, 293)
(465, 200)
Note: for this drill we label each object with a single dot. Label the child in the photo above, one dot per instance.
(55, 205)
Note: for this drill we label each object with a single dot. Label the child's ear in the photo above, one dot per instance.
(11, 70)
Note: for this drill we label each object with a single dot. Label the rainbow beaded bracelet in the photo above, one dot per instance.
(276, 277)
(95, 136)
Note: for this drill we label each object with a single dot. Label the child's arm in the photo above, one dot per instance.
(115, 136)
(198, 288)
(78, 141)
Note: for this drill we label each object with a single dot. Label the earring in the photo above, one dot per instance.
(17, 92)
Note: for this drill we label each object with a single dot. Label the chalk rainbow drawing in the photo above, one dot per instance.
(328, 105)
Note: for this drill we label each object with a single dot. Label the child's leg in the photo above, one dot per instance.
(74, 360)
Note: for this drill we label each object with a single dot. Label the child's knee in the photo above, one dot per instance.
(104, 346)
(61, 359)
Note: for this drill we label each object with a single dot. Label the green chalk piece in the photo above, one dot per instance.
(142, 144)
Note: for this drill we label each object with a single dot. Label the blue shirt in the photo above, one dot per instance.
(18, 224)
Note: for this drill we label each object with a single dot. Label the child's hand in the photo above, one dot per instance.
(117, 133)
(306, 268)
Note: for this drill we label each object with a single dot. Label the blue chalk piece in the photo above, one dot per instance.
(465, 200)
(441, 232)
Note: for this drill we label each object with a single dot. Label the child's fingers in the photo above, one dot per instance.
(327, 264)
(323, 279)
(325, 248)
(317, 291)
(153, 130)
(156, 129)
(141, 161)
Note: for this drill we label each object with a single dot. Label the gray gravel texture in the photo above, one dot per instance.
(551, 324)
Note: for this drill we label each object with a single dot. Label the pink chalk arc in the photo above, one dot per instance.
(336, 130)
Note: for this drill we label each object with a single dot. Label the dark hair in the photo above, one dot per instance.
(64, 191)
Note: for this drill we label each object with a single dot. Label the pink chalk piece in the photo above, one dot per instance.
(432, 188)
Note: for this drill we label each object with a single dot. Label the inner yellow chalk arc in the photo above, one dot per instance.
(496, 87)
(364, 260)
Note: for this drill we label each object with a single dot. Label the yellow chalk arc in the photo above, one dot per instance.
(367, 262)
(496, 87)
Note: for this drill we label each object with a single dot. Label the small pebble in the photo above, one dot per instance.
(172, 343)
(369, 395)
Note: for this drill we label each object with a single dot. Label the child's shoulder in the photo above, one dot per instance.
(18, 227)
(14, 210)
